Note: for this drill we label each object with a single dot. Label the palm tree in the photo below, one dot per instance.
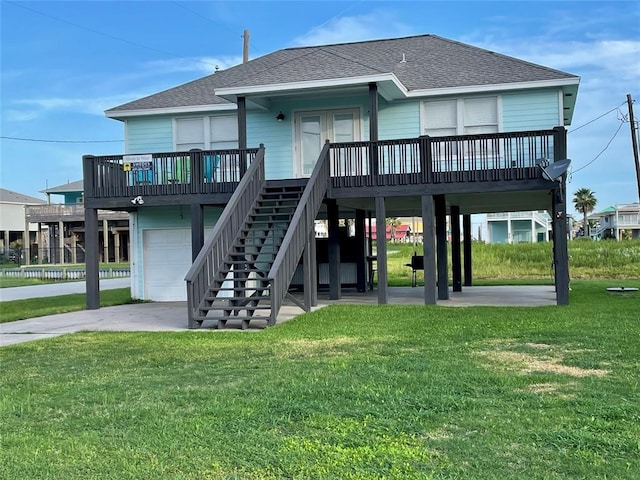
(585, 202)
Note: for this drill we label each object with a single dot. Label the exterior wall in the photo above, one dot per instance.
(149, 135)
(13, 218)
(498, 232)
(279, 137)
(72, 197)
(525, 227)
(398, 120)
(521, 231)
(535, 110)
(159, 218)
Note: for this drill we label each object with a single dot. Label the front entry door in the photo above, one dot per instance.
(313, 128)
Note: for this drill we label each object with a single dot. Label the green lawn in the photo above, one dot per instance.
(347, 392)
(37, 307)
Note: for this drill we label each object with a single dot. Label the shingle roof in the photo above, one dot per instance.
(69, 187)
(9, 196)
(419, 62)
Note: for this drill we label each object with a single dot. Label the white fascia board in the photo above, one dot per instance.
(494, 87)
(117, 114)
(315, 84)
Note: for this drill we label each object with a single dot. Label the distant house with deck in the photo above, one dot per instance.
(63, 222)
(14, 231)
(617, 221)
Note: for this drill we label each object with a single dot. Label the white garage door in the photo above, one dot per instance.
(166, 257)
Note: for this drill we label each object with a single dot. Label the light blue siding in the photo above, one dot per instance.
(149, 135)
(498, 232)
(165, 218)
(279, 137)
(401, 120)
(535, 110)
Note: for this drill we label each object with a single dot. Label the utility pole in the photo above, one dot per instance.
(245, 47)
(634, 140)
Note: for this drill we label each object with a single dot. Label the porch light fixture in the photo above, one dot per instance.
(280, 116)
(137, 200)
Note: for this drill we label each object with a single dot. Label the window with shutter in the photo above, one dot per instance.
(223, 132)
(189, 134)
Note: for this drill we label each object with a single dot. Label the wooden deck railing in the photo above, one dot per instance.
(218, 245)
(414, 161)
(427, 160)
(173, 173)
(298, 233)
(64, 211)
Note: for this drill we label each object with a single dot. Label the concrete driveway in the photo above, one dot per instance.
(61, 288)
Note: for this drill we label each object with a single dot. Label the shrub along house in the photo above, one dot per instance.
(224, 176)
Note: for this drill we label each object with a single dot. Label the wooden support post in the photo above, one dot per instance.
(440, 208)
(308, 272)
(561, 255)
(92, 252)
(74, 248)
(197, 229)
(26, 247)
(242, 134)
(456, 259)
(361, 260)
(313, 268)
(335, 276)
(105, 240)
(429, 249)
(117, 246)
(466, 233)
(39, 244)
(381, 245)
(373, 130)
(61, 242)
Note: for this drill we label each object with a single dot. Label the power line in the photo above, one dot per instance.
(58, 141)
(113, 37)
(601, 152)
(597, 118)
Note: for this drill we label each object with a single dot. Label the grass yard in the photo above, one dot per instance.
(8, 282)
(347, 392)
(530, 263)
(38, 307)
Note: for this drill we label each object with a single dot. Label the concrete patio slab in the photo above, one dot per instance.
(172, 316)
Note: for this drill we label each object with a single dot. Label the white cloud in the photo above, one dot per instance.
(355, 28)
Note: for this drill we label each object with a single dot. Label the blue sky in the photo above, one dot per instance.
(64, 63)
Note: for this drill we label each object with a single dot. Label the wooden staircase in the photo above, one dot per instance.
(245, 267)
(241, 288)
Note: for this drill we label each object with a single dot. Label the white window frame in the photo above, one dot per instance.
(206, 129)
(460, 102)
(460, 125)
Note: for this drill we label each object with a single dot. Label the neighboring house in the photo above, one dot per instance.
(400, 233)
(13, 228)
(64, 223)
(397, 127)
(618, 222)
(518, 227)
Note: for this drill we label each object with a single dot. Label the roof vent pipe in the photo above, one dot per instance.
(404, 60)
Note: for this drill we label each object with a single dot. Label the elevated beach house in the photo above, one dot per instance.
(225, 176)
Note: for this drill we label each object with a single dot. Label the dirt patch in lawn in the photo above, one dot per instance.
(541, 358)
